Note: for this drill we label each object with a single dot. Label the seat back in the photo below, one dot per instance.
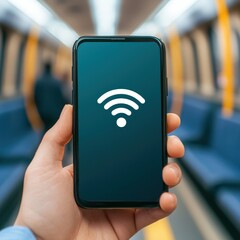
(13, 121)
(225, 137)
(196, 115)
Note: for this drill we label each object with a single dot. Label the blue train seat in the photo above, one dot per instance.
(219, 162)
(195, 119)
(11, 176)
(228, 199)
(18, 140)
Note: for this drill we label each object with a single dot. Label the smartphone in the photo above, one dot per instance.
(119, 119)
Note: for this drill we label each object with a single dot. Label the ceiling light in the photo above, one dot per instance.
(172, 10)
(46, 19)
(33, 9)
(65, 34)
(105, 15)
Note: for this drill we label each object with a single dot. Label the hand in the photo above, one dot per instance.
(48, 207)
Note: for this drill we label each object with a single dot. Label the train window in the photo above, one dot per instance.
(41, 55)
(236, 53)
(189, 66)
(204, 61)
(235, 20)
(238, 63)
(3, 37)
(214, 51)
(20, 61)
(62, 63)
(0, 54)
(10, 64)
(196, 62)
(46, 53)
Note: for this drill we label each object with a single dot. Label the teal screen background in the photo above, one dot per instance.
(119, 164)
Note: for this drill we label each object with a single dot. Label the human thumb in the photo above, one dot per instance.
(51, 149)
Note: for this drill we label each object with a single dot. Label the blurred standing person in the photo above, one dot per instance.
(49, 96)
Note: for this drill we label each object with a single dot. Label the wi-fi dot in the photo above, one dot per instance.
(121, 121)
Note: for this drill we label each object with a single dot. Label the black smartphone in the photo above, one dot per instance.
(119, 134)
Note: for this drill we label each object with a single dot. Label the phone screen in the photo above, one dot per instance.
(119, 121)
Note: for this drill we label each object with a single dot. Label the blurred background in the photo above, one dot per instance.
(203, 56)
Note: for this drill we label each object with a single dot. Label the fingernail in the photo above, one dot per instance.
(176, 138)
(175, 171)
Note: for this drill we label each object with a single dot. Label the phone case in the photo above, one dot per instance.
(89, 204)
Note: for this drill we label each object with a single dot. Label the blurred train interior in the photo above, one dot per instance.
(203, 56)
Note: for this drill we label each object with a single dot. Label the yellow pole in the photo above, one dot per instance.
(228, 65)
(62, 64)
(29, 76)
(160, 230)
(177, 71)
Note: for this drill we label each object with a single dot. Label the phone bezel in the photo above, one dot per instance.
(88, 204)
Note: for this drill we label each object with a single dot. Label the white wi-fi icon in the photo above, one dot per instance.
(121, 122)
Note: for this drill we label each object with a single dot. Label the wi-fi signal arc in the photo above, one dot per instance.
(121, 110)
(121, 91)
(121, 101)
(121, 122)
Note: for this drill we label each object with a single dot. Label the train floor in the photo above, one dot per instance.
(192, 220)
